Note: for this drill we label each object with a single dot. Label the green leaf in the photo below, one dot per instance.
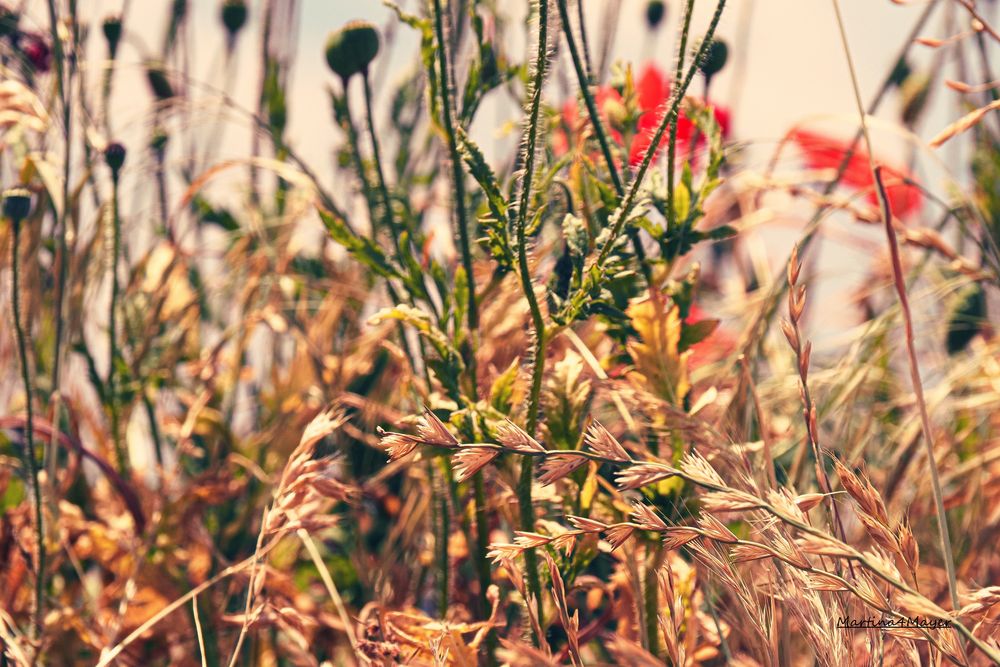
(692, 334)
(502, 390)
(362, 249)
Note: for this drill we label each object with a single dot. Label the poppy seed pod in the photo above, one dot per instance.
(114, 156)
(17, 204)
(112, 28)
(159, 83)
(234, 15)
(715, 58)
(352, 48)
(655, 11)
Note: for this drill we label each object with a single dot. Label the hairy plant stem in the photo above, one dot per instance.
(458, 181)
(527, 511)
(672, 143)
(113, 405)
(897, 270)
(31, 464)
(387, 217)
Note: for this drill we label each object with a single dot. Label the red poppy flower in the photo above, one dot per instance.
(823, 152)
(652, 92)
(713, 347)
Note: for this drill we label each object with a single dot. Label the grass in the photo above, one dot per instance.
(290, 422)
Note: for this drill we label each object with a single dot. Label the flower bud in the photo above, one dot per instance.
(17, 204)
(112, 28)
(114, 156)
(159, 83)
(158, 142)
(655, 11)
(715, 58)
(352, 48)
(234, 16)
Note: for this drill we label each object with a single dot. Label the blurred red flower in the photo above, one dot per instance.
(652, 92)
(36, 51)
(718, 344)
(823, 152)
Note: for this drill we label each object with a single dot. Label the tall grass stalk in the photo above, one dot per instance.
(114, 252)
(527, 510)
(30, 461)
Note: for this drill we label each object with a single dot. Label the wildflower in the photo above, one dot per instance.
(112, 28)
(652, 93)
(823, 152)
(351, 49)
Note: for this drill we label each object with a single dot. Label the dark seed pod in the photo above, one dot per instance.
(112, 28)
(158, 142)
(352, 48)
(966, 318)
(715, 58)
(8, 22)
(656, 10)
(900, 72)
(114, 156)
(17, 204)
(159, 83)
(234, 16)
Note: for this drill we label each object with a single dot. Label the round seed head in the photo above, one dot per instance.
(114, 156)
(352, 48)
(112, 28)
(17, 204)
(715, 58)
(234, 15)
(656, 10)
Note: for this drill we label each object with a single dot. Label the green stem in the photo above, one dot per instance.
(113, 331)
(482, 564)
(444, 528)
(652, 600)
(459, 184)
(29, 435)
(527, 511)
(387, 217)
(672, 145)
